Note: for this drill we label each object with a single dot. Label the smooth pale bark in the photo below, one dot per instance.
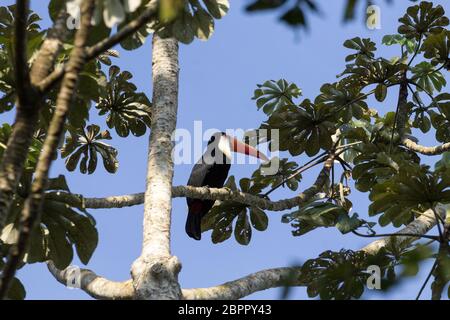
(94, 285)
(424, 223)
(155, 272)
(240, 288)
(428, 151)
(222, 194)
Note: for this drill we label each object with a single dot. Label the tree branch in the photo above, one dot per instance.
(155, 272)
(94, 285)
(204, 193)
(104, 45)
(33, 205)
(429, 151)
(21, 70)
(258, 281)
(11, 166)
(49, 49)
(424, 223)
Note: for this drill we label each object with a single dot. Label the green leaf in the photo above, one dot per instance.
(184, 28)
(127, 111)
(428, 77)
(259, 219)
(422, 19)
(217, 8)
(87, 144)
(272, 95)
(409, 44)
(59, 248)
(83, 233)
(346, 224)
(204, 24)
(365, 48)
(242, 230)
(312, 216)
(381, 92)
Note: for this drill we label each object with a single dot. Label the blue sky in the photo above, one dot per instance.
(217, 79)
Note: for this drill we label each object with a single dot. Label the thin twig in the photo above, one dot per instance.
(427, 279)
(416, 51)
(396, 235)
(313, 162)
(441, 236)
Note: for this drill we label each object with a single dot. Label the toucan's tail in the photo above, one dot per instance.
(194, 225)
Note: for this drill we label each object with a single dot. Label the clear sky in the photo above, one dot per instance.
(217, 79)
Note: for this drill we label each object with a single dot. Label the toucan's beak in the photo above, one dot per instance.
(241, 147)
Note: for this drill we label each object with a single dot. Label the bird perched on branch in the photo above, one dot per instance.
(211, 170)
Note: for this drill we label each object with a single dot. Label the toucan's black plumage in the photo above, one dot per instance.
(205, 173)
(212, 171)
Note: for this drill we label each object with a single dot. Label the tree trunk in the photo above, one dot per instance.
(155, 272)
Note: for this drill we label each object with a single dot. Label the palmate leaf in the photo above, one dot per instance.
(422, 19)
(376, 164)
(85, 145)
(61, 228)
(444, 163)
(33, 152)
(421, 120)
(409, 44)
(363, 72)
(342, 275)
(35, 38)
(293, 16)
(128, 110)
(111, 12)
(305, 128)
(220, 218)
(261, 181)
(274, 94)
(437, 48)
(321, 214)
(365, 48)
(428, 77)
(190, 19)
(441, 119)
(7, 23)
(349, 101)
(410, 191)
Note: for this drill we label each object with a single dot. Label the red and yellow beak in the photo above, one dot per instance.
(241, 147)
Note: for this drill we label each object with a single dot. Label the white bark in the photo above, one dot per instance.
(94, 285)
(222, 194)
(424, 223)
(155, 272)
(429, 151)
(258, 281)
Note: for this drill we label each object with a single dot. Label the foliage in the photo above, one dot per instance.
(342, 275)
(399, 185)
(368, 147)
(128, 111)
(85, 144)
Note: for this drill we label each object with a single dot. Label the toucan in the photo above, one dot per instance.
(211, 170)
